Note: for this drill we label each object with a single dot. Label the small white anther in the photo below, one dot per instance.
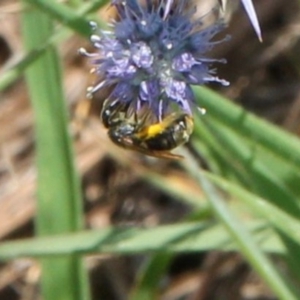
(201, 110)
(225, 82)
(95, 38)
(83, 51)
(89, 92)
(169, 46)
(93, 25)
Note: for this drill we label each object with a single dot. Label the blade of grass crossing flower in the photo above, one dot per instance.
(58, 207)
(242, 237)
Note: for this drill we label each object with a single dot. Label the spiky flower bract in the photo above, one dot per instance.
(153, 55)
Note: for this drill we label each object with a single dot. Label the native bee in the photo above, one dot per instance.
(153, 139)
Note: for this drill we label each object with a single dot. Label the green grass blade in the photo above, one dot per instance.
(261, 207)
(149, 277)
(291, 256)
(282, 143)
(242, 237)
(252, 151)
(152, 272)
(75, 3)
(287, 226)
(75, 20)
(65, 16)
(269, 175)
(185, 237)
(59, 200)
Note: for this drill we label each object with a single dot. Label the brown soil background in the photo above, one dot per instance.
(264, 79)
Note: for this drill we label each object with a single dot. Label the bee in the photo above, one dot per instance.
(156, 139)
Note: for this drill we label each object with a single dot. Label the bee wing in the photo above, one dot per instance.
(164, 155)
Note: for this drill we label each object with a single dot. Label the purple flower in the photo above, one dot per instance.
(154, 54)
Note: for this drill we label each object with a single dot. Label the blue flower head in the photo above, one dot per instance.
(153, 55)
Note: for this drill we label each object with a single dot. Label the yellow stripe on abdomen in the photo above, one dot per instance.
(151, 131)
